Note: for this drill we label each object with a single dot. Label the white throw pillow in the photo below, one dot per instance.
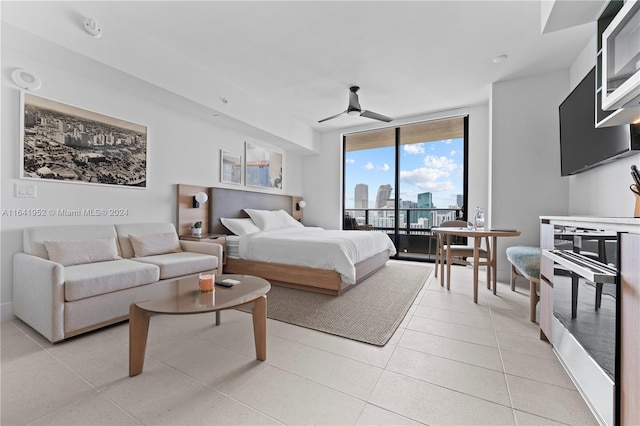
(76, 252)
(267, 220)
(240, 227)
(152, 244)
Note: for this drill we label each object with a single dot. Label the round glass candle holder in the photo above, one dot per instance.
(206, 281)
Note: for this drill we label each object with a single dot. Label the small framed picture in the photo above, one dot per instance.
(263, 167)
(230, 167)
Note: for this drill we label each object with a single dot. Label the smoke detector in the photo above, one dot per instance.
(92, 27)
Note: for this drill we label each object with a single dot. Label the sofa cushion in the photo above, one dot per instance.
(152, 244)
(125, 229)
(183, 263)
(33, 238)
(75, 252)
(93, 279)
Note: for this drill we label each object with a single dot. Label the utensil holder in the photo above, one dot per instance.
(636, 212)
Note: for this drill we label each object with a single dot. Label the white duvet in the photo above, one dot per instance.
(316, 248)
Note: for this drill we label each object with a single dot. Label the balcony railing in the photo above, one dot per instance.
(412, 236)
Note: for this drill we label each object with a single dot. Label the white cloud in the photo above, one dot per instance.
(423, 174)
(350, 161)
(434, 176)
(452, 153)
(440, 163)
(369, 166)
(414, 148)
(427, 179)
(384, 167)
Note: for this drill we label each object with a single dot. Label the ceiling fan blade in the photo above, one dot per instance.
(333, 116)
(375, 116)
(354, 108)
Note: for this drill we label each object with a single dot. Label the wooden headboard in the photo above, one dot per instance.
(187, 215)
(230, 203)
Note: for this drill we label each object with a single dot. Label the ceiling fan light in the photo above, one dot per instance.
(353, 112)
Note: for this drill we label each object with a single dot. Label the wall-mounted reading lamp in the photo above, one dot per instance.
(300, 205)
(200, 197)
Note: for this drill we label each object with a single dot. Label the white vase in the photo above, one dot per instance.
(196, 231)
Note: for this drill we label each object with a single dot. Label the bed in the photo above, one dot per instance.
(287, 253)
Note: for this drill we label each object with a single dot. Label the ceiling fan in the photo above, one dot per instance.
(354, 108)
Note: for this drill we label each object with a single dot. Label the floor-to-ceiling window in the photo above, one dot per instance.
(405, 180)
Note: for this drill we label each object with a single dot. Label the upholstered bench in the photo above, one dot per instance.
(525, 262)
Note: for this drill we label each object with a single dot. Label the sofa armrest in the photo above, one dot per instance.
(38, 294)
(205, 248)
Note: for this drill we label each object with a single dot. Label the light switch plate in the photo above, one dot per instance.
(25, 190)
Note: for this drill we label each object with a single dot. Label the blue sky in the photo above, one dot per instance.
(435, 167)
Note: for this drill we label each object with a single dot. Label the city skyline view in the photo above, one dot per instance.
(436, 167)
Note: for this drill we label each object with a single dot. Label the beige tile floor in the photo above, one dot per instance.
(450, 362)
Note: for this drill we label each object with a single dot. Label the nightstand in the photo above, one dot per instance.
(210, 238)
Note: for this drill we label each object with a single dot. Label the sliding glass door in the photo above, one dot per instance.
(406, 180)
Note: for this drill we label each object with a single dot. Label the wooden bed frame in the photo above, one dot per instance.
(230, 203)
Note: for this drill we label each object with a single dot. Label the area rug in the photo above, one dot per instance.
(370, 312)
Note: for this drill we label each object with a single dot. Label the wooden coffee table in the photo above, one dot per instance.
(183, 297)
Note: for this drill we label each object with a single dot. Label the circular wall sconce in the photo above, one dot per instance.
(25, 79)
(199, 198)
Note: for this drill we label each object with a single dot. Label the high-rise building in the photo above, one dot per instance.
(361, 196)
(384, 194)
(459, 200)
(425, 201)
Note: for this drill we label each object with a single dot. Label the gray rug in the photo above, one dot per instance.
(370, 312)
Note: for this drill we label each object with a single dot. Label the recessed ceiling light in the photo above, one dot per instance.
(499, 59)
(25, 79)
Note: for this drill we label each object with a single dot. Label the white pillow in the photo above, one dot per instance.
(240, 227)
(152, 244)
(267, 220)
(76, 252)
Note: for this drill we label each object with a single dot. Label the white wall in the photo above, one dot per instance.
(525, 156)
(183, 147)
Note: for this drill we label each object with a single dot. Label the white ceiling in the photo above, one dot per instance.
(300, 57)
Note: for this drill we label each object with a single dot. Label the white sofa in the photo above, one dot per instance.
(72, 279)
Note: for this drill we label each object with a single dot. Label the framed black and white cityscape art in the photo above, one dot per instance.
(64, 143)
(263, 167)
(230, 167)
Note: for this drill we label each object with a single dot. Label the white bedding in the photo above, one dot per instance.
(315, 247)
(232, 242)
